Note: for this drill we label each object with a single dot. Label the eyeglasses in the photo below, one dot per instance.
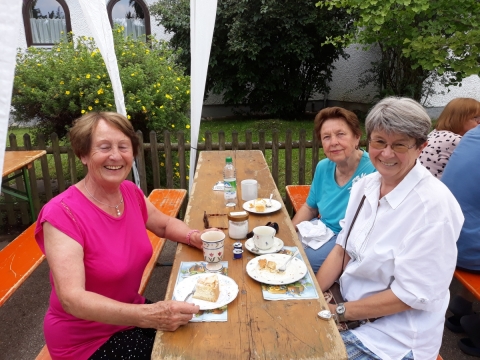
(206, 223)
(398, 148)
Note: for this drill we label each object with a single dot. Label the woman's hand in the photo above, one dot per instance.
(169, 315)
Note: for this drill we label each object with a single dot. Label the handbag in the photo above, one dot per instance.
(334, 296)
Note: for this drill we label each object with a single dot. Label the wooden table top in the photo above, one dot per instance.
(256, 328)
(15, 160)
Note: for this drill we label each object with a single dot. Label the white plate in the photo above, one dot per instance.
(228, 291)
(294, 272)
(276, 205)
(277, 246)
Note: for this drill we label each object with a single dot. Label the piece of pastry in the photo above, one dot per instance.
(271, 266)
(260, 205)
(262, 263)
(207, 289)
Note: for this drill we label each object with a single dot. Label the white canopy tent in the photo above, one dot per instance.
(8, 42)
(202, 21)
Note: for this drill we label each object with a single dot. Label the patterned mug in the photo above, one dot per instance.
(213, 246)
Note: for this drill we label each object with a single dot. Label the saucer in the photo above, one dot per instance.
(277, 246)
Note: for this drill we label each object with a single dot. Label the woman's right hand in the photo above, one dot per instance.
(169, 315)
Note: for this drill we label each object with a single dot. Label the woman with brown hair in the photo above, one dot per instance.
(95, 240)
(459, 116)
(339, 131)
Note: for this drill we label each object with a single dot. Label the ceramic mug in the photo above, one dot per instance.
(249, 189)
(213, 246)
(264, 237)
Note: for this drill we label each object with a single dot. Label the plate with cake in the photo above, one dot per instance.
(259, 206)
(264, 269)
(211, 290)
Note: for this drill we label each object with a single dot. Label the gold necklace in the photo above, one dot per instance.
(94, 198)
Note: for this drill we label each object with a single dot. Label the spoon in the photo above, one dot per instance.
(269, 202)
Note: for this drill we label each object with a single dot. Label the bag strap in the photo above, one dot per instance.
(350, 230)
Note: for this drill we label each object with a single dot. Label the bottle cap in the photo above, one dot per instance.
(228, 159)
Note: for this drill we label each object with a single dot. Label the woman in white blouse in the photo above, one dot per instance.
(401, 252)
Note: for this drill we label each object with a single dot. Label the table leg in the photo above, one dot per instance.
(29, 193)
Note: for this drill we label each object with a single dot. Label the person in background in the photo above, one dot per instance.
(459, 116)
(399, 259)
(339, 132)
(95, 240)
(462, 177)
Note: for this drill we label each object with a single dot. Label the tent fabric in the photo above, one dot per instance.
(202, 23)
(95, 13)
(11, 10)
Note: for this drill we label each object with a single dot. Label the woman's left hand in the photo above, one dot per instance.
(196, 240)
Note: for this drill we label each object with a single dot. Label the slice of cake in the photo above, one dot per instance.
(260, 205)
(262, 263)
(271, 266)
(207, 289)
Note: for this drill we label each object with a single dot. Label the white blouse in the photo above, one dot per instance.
(405, 242)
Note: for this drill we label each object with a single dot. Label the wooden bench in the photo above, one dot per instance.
(168, 201)
(470, 281)
(297, 194)
(17, 261)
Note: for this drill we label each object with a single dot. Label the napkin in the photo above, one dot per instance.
(314, 233)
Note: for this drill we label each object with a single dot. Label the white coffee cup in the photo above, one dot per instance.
(249, 189)
(264, 237)
(213, 246)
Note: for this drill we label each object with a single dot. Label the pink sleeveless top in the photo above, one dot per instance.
(116, 251)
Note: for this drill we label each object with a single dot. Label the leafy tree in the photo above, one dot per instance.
(418, 39)
(266, 54)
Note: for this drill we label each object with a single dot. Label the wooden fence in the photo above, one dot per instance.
(291, 162)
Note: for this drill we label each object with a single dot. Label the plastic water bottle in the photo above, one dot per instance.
(230, 183)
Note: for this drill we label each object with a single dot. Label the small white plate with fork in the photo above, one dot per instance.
(250, 206)
(294, 272)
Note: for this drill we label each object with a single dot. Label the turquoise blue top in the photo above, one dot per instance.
(330, 199)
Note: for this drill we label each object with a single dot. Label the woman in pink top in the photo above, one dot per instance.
(94, 238)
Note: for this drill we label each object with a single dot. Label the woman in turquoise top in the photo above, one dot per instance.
(339, 132)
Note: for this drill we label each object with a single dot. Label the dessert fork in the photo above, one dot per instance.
(191, 292)
(284, 266)
(268, 203)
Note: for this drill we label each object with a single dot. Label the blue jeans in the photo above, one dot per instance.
(317, 257)
(357, 351)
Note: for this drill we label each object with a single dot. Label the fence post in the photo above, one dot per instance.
(58, 162)
(261, 141)
(221, 140)
(315, 150)
(248, 140)
(275, 147)
(27, 142)
(301, 157)
(141, 163)
(288, 157)
(182, 160)
(155, 160)
(208, 140)
(19, 183)
(47, 183)
(168, 159)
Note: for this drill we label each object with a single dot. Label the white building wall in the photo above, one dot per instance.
(344, 85)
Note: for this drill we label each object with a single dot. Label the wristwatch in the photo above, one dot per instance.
(340, 310)
(325, 315)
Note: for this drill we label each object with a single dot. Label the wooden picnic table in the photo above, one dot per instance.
(20, 160)
(256, 328)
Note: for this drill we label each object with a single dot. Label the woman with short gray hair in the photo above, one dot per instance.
(396, 253)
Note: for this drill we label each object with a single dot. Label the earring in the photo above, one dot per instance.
(357, 147)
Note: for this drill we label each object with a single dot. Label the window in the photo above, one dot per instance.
(46, 21)
(133, 15)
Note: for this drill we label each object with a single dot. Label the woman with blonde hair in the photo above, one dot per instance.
(459, 116)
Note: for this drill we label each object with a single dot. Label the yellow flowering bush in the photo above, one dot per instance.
(56, 87)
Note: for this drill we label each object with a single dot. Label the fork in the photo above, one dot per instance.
(284, 266)
(191, 292)
(268, 203)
